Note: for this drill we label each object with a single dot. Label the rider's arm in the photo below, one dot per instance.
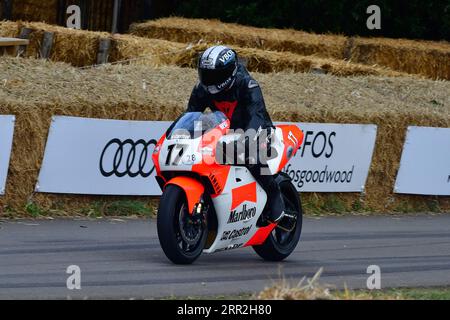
(258, 118)
(197, 100)
(256, 108)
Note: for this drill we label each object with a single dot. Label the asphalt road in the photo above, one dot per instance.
(122, 258)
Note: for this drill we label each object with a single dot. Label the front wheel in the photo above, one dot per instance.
(182, 238)
(280, 243)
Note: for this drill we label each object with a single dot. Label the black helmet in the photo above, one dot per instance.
(217, 68)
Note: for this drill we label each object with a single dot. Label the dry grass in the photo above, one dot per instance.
(311, 289)
(306, 289)
(34, 90)
(80, 49)
(426, 58)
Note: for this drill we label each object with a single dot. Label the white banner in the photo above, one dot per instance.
(93, 156)
(6, 139)
(333, 157)
(425, 163)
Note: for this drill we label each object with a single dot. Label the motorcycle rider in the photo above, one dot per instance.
(225, 85)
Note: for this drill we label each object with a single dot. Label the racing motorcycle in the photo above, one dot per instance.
(210, 206)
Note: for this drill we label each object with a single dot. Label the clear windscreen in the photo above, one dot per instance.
(194, 124)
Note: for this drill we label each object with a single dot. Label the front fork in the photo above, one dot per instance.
(200, 213)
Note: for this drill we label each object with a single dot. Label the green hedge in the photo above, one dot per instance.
(415, 19)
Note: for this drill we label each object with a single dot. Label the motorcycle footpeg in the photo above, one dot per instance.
(288, 222)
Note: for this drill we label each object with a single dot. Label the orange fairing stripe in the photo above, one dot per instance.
(261, 235)
(191, 187)
(155, 155)
(244, 193)
(295, 141)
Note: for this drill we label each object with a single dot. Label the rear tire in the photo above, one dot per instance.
(173, 228)
(280, 244)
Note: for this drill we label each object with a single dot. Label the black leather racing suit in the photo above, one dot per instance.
(244, 105)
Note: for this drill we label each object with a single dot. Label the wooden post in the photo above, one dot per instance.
(116, 13)
(7, 9)
(318, 70)
(348, 48)
(103, 51)
(24, 34)
(47, 43)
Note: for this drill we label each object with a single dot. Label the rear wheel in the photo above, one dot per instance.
(182, 238)
(280, 243)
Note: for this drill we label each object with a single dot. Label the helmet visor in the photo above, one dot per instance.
(211, 77)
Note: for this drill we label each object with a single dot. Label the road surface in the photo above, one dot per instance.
(122, 258)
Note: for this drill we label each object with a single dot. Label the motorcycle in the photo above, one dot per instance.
(210, 206)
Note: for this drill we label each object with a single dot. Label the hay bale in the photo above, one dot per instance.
(79, 48)
(193, 30)
(9, 29)
(264, 61)
(144, 51)
(35, 90)
(427, 58)
(73, 46)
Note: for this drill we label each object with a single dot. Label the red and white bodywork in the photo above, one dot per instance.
(238, 199)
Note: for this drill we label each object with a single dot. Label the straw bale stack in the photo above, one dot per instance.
(193, 30)
(425, 58)
(35, 90)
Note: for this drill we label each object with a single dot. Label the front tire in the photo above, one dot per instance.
(181, 241)
(280, 244)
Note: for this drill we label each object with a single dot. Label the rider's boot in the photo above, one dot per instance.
(278, 214)
(275, 207)
(275, 203)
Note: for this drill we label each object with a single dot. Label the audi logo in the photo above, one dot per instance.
(127, 158)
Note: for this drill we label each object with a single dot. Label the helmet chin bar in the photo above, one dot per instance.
(215, 89)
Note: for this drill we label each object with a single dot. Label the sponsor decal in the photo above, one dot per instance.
(245, 214)
(224, 84)
(230, 247)
(207, 63)
(127, 158)
(234, 234)
(243, 193)
(326, 161)
(227, 107)
(252, 84)
(320, 143)
(226, 57)
(299, 177)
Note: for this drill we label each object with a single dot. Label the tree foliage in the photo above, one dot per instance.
(416, 19)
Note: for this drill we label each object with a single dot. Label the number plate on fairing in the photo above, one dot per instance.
(179, 154)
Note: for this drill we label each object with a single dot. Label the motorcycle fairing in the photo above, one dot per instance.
(192, 188)
(238, 207)
(238, 199)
